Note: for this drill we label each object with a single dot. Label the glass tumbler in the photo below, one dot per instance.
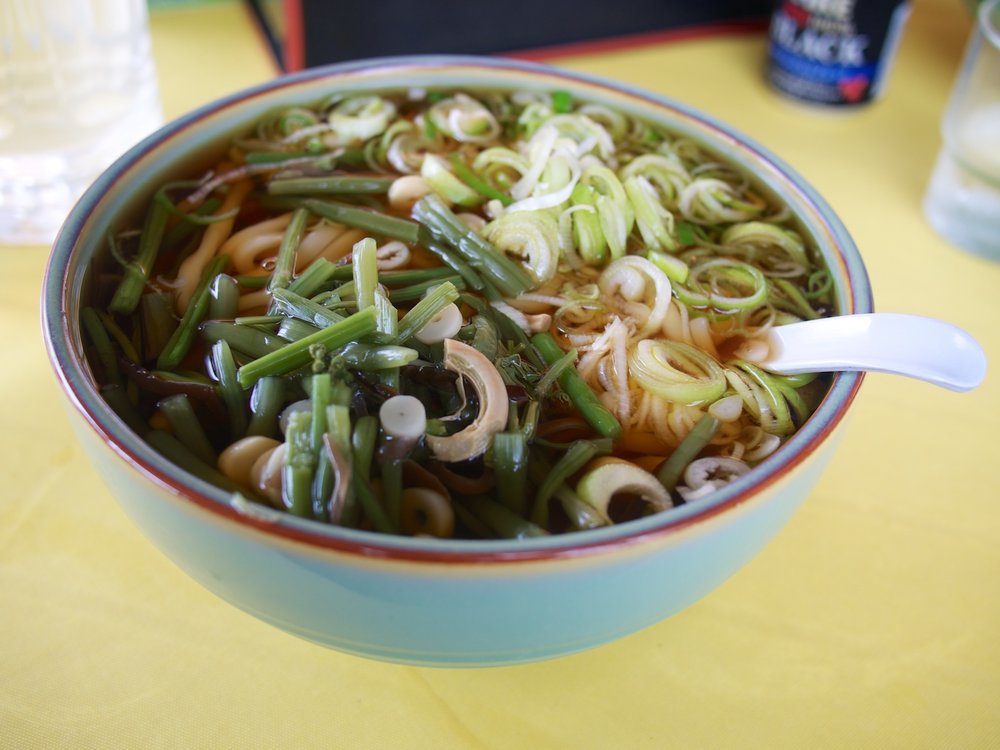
(77, 89)
(962, 201)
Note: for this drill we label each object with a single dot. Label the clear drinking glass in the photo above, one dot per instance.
(77, 89)
(962, 202)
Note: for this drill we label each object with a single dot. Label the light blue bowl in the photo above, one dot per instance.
(419, 601)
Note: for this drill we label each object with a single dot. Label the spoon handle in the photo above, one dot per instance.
(912, 345)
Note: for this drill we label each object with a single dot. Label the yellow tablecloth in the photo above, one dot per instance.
(872, 621)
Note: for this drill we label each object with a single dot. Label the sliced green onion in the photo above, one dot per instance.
(776, 418)
(677, 372)
(675, 268)
(446, 184)
(786, 296)
(534, 235)
(723, 284)
(614, 210)
(656, 223)
(477, 183)
(587, 233)
(763, 234)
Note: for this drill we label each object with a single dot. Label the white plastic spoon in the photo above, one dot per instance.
(911, 345)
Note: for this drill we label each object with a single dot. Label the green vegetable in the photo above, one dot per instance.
(477, 183)
(501, 520)
(247, 340)
(562, 102)
(424, 311)
(579, 453)
(345, 184)
(186, 427)
(287, 302)
(509, 277)
(300, 465)
(180, 342)
(296, 354)
(319, 273)
(363, 447)
(284, 265)
(224, 367)
(510, 462)
(177, 453)
(694, 442)
(103, 347)
(371, 221)
(133, 283)
(444, 183)
(223, 297)
(266, 401)
(574, 386)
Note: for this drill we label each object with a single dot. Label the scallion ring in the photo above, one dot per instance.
(677, 371)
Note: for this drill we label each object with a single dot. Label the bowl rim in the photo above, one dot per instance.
(71, 370)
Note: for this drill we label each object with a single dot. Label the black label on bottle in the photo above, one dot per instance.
(834, 52)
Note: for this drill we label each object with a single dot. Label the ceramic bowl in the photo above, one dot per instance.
(418, 601)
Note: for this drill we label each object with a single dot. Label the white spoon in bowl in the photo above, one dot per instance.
(911, 345)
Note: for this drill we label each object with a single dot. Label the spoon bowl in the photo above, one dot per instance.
(911, 345)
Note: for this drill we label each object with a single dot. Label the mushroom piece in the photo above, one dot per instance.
(599, 485)
(473, 441)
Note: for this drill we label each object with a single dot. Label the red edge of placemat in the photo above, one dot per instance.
(633, 41)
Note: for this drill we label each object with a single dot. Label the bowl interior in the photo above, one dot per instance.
(181, 149)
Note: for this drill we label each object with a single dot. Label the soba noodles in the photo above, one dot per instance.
(458, 313)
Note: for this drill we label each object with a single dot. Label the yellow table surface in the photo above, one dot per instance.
(873, 620)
